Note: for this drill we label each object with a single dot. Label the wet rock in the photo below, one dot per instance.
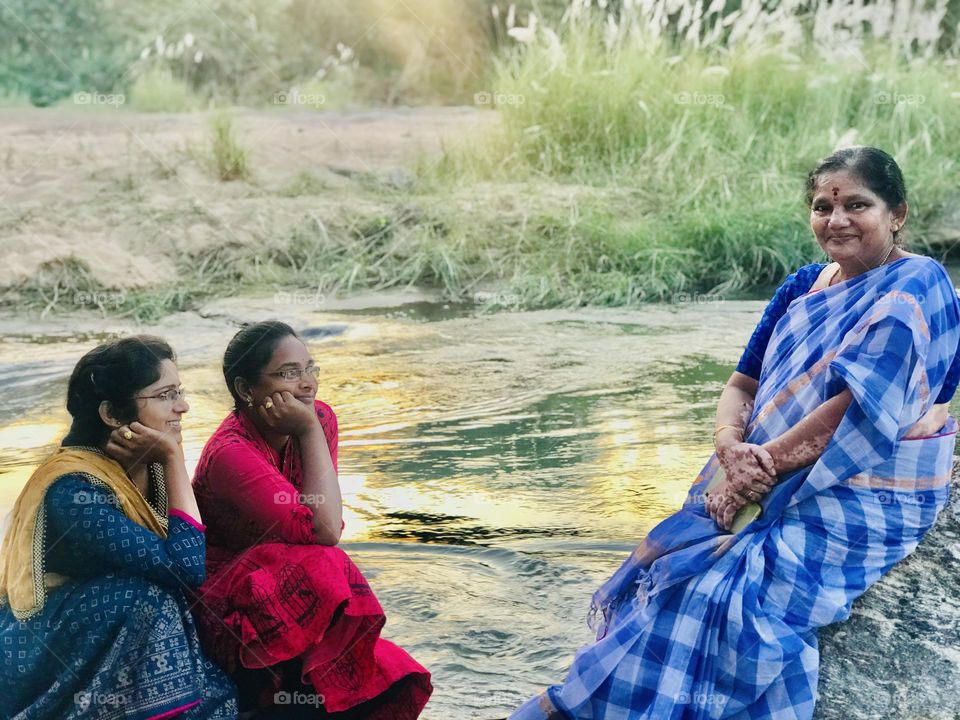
(898, 655)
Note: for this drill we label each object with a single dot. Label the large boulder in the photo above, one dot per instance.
(898, 655)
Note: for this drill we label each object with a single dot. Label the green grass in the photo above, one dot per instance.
(159, 91)
(636, 171)
(228, 156)
(303, 183)
(166, 55)
(714, 147)
(13, 99)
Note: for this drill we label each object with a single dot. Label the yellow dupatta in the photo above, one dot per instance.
(23, 581)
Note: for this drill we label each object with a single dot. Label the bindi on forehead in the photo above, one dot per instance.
(836, 191)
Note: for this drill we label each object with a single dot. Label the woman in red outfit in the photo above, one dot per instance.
(284, 610)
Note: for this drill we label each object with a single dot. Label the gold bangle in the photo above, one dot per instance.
(721, 427)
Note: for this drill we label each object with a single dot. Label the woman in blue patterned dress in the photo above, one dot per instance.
(104, 540)
(834, 426)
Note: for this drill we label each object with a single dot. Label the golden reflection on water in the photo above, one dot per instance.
(357, 518)
(26, 443)
(646, 468)
(373, 393)
(11, 482)
(494, 424)
(26, 433)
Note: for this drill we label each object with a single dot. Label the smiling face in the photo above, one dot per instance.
(289, 354)
(852, 224)
(161, 414)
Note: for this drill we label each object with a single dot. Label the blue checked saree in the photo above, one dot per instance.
(702, 623)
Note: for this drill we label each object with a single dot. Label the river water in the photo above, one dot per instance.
(495, 467)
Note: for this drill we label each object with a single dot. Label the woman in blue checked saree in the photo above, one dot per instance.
(844, 443)
(104, 540)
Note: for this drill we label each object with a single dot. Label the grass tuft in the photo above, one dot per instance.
(229, 157)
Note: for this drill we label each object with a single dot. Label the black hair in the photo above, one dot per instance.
(114, 372)
(249, 352)
(873, 167)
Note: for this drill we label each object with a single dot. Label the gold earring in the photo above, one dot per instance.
(249, 402)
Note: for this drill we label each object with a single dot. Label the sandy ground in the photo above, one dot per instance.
(127, 192)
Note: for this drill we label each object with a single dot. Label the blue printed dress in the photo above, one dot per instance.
(117, 639)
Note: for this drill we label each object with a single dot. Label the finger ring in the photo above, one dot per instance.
(127, 435)
(268, 404)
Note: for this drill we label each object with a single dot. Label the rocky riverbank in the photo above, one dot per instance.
(898, 655)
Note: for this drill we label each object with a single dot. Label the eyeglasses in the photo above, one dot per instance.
(168, 396)
(296, 373)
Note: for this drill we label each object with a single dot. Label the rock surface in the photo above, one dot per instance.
(898, 655)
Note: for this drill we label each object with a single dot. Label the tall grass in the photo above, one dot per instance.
(248, 52)
(158, 90)
(712, 129)
(228, 156)
(245, 52)
(648, 152)
(395, 249)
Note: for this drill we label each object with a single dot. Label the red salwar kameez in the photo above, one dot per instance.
(277, 600)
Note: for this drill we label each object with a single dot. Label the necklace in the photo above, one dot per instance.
(885, 258)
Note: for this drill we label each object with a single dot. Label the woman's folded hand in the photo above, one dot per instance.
(750, 473)
(144, 445)
(933, 420)
(723, 503)
(749, 468)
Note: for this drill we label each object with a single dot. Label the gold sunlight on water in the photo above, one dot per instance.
(646, 462)
(11, 482)
(356, 517)
(23, 445)
(31, 434)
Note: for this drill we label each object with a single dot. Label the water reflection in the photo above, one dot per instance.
(495, 468)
